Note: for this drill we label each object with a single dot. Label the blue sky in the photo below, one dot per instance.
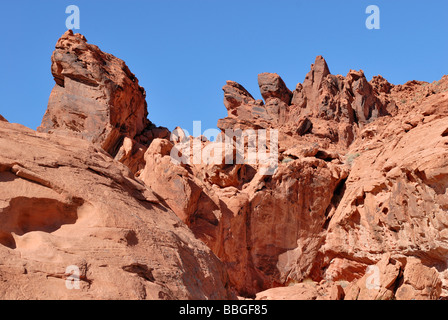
(183, 51)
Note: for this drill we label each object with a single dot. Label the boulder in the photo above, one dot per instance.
(272, 86)
(96, 97)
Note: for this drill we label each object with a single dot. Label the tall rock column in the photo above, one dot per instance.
(96, 96)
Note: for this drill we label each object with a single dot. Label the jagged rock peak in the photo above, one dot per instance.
(96, 96)
(319, 70)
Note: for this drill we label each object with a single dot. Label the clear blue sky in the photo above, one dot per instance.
(183, 51)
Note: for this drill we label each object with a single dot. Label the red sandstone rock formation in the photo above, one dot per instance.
(355, 209)
(65, 202)
(327, 213)
(96, 97)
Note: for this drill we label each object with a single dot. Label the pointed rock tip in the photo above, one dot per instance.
(235, 95)
(69, 33)
(321, 63)
(230, 85)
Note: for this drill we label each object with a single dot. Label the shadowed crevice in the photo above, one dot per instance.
(25, 215)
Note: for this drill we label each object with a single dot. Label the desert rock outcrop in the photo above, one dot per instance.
(96, 97)
(65, 202)
(328, 213)
(352, 207)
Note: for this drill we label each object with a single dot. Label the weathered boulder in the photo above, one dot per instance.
(235, 95)
(272, 86)
(419, 282)
(96, 96)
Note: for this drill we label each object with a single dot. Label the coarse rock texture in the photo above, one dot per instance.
(350, 203)
(395, 198)
(255, 224)
(65, 202)
(96, 97)
(268, 229)
(308, 290)
(334, 205)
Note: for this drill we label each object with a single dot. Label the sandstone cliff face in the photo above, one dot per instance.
(355, 208)
(356, 183)
(395, 197)
(64, 202)
(96, 97)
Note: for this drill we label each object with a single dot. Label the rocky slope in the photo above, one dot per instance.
(66, 202)
(359, 191)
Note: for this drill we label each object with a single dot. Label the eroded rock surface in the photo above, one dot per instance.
(65, 202)
(355, 208)
(360, 177)
(96, 97)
